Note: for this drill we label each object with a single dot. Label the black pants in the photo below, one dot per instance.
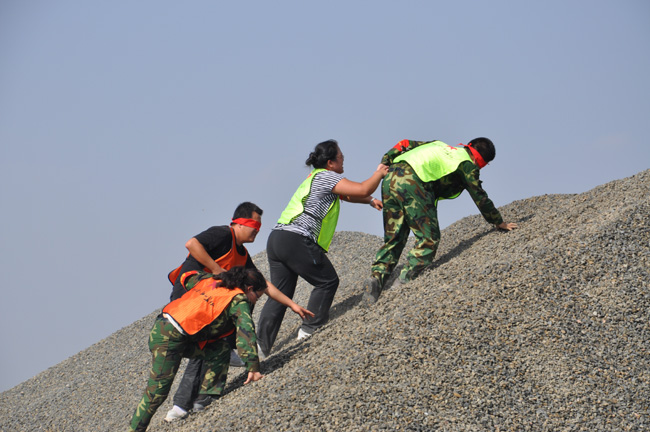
(188, 389)
(291, 255)
(190, 384)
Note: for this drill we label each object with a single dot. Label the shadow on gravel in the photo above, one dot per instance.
(281, 343)
(276, 361)
(279, 359)
(337, 310)
(462, 247)
(524, 219)
(341, 308)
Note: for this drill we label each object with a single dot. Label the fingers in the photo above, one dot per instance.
(508, 226)
(302, 312)
(253, 376)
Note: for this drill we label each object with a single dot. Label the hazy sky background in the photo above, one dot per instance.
(127, 127)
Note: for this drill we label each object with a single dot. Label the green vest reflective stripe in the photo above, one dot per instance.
(296, 207)
(434, 160)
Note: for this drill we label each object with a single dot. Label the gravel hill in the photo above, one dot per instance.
(545, 328)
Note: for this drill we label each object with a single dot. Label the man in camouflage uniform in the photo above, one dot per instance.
(169, 342)
(420, 174)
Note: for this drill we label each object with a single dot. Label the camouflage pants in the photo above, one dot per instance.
(408, 206)
(168, 347)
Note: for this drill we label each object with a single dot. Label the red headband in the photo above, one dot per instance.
(249, 223)
(477, 156)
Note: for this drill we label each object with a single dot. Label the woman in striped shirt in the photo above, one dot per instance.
(298, 244)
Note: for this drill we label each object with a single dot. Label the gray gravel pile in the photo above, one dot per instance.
(545, 328)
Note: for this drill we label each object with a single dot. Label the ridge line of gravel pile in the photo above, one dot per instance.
(543, 328)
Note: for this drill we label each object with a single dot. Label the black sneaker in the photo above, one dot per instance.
(371, 291)
(203, 401)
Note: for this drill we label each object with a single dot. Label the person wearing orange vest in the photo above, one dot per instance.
(220, 248)
(214, 250)
(213, 307)
(298, 244)
(422, 173)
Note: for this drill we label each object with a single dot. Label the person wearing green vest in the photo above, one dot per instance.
(298, 244)
(421, 173)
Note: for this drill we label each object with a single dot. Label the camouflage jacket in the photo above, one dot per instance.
(237, 316)
(466, 177)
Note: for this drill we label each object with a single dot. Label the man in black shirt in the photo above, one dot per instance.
(217, 249)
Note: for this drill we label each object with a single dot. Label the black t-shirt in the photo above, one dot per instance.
(217, 241)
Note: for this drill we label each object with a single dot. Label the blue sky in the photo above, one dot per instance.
(128, 127)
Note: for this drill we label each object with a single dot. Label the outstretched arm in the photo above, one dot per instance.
(245, 338)
(277, 295)
(351, 189)
(485, 205)
(372, 201)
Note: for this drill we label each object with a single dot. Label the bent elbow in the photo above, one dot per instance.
(190, 243)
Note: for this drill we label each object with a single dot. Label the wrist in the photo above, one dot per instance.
(371, 200)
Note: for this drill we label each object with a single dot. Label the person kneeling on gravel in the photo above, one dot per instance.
(214, 307)
(421, 173)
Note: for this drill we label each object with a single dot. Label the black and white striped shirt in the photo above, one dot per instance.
(318, 201)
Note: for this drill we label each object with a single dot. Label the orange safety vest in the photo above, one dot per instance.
(201, 305)
(230, 259)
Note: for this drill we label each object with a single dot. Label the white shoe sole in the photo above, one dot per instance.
(303, 334)
(173, 415)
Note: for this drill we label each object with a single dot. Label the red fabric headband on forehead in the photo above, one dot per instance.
(477, 156)
(249, 223)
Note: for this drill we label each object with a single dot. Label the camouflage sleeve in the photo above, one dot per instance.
(240, 311)
(400, 148)
(191, 278)
(470, 175)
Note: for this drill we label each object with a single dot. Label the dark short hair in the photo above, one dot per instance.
(323, 152)
(485, 147)
(241, 277)
(245, 210)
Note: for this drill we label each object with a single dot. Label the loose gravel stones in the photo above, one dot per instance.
(545, 328)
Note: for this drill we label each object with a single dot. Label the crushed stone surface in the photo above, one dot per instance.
(545, 328)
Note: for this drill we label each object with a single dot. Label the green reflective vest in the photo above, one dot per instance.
(434, 160)
(296, 207)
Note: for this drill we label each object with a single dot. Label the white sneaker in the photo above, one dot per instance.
(176, 413)
(235, 360)
(303, 334)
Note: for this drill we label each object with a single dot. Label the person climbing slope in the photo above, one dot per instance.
(421, 173)
(298, 244)
(196, 326)
(215, 250)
